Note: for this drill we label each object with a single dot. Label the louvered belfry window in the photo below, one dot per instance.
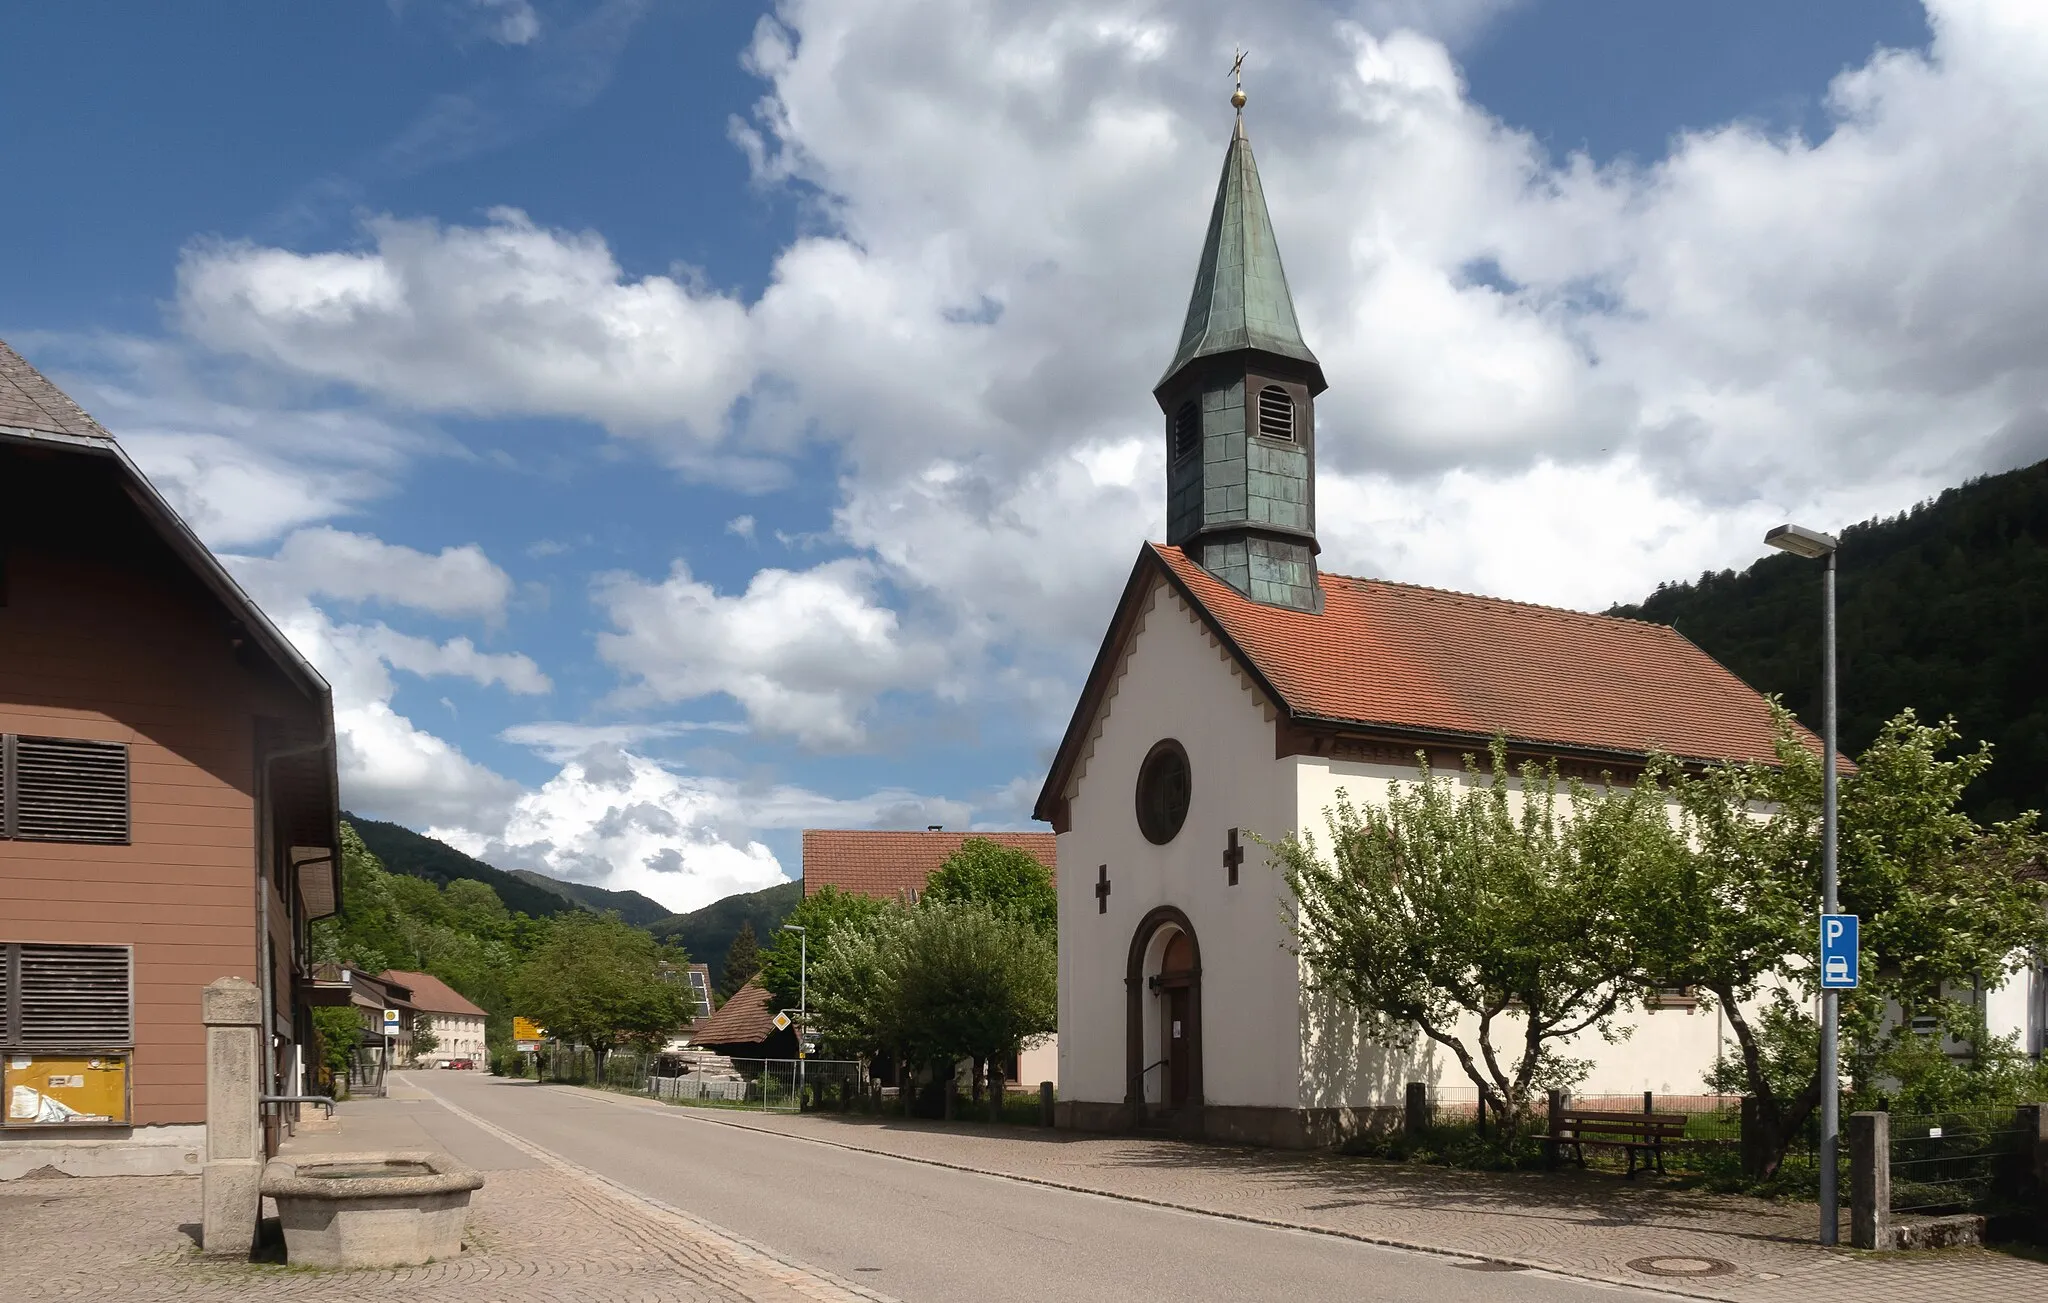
(1187, 430)
(1276, 413)
(56, 789)
(56, 997)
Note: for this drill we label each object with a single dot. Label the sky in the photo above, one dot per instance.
(672, 425)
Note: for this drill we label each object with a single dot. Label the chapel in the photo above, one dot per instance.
(1239, 689)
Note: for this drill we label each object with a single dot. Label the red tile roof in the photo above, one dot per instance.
(889, 864)
(1405, 658)
(747, 1018)
(432, 995)
(28, 401)
(1426, 664)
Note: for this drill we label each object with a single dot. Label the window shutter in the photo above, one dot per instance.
(1276, 413)
(73, 997)
(67, 790)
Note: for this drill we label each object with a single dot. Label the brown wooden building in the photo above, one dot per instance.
(168, 809)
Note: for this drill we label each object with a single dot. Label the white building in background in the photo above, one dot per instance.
(1239, 691)
(457, 1024)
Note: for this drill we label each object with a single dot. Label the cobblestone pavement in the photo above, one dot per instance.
(543, 1231)
(1591, 1226)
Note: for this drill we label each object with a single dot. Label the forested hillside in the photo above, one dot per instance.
(706, 932)
(1944, 609)
(630, 906)
(401, 850)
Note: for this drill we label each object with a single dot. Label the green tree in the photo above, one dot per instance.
(1491, 925)
(855, 1007)
(424, 1042)
(601, 983)
(340, 1029)
(967, 982)
(824, 915)
(1941, 904)
(742, 960)
(1005, 879)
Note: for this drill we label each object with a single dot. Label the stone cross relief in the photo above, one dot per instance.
(1102, 889)
(1233, 856)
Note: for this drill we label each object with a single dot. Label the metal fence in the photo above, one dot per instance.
(1953, 1162)
(770, 1085)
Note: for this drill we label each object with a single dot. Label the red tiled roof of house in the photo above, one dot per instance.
(28, 401)
(432, 995)
(868, 862)
(1410, 659)
(744, 1019)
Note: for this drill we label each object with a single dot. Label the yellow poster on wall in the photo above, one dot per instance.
(64, 1089)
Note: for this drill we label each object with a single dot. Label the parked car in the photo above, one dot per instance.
(467, 1065)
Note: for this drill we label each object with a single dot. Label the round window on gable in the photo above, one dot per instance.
(1276, 413)
(1187, 430)
(1165, 787)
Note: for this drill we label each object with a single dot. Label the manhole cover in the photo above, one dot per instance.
(1681, 1265)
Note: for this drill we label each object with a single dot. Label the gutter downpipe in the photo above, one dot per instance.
(263, 950)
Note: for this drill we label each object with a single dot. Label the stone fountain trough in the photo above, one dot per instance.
(392, 1208)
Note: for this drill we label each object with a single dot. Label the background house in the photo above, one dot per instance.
(456, 1023)
(892, 865)
(169, 812)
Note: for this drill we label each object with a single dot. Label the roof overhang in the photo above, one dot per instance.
(1296, 732)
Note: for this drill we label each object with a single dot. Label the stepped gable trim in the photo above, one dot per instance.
(1054, 803)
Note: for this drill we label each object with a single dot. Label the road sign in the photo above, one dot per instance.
(1838, 934)
(526, 1029)
(391, 1022)
(782, 1022)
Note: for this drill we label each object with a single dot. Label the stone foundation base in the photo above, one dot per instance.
(1238, 1124)
(103, 1151)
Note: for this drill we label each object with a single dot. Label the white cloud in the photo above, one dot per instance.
(508, 22)
(561, 741)
(503, 318)
(805, 653)
(1010, 200)
(625, 822)
(326, 562)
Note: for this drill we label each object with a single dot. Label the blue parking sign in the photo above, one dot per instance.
(1838, 952)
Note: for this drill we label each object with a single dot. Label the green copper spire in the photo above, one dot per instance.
(1240, 299)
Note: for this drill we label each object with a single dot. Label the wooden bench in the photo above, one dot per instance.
(1638, 1133)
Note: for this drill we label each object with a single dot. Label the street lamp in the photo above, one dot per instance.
(803, 1000)
(1816, 546)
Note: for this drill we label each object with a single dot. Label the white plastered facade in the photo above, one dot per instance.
(1278, 1063)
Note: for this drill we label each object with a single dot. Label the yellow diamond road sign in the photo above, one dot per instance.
(782, 1022)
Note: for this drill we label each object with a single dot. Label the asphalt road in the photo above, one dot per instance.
(930, 1235)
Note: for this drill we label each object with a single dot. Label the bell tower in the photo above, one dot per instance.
(1239, 400)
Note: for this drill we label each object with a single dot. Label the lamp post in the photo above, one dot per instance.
(1816, 546)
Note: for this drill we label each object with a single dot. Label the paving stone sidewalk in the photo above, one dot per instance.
(539, 1232)
(1586, 1225)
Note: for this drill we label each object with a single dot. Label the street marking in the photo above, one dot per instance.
(739, 1246)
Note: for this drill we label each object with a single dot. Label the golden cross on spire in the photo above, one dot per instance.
(1237, 75)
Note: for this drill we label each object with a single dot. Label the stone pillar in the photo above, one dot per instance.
(1415, 1109)
(1870, 1180)
(1554, 1106)
(231, 1184)
(1045, 1104)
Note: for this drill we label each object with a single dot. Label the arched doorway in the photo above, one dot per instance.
(1163, 992)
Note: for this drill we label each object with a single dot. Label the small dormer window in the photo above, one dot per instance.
(1187, 430)
(1276, 413)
